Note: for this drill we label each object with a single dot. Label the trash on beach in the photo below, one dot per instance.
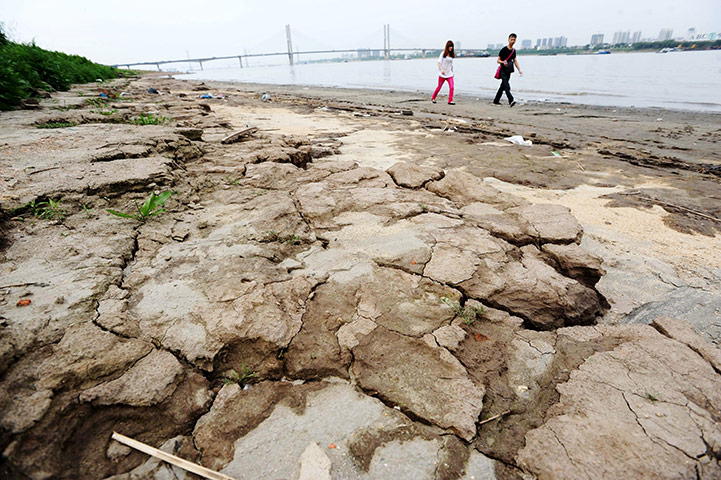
(518, 140)
(556, 154)
(24, 302)
(124, 94)
(103, 95)
(265, 97)
(408, 113)
(235, 136)
(152, 90)
(207, 95)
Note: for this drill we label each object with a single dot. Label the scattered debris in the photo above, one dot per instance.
(518, 140)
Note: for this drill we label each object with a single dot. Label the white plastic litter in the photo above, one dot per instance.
(265, 97)
(518, 140)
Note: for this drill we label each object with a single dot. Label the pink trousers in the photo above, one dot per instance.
(440, 84)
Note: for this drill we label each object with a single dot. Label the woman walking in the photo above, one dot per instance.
(445, 71)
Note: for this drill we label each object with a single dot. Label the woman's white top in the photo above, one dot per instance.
(446, 66)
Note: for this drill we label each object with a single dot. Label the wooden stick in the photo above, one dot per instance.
(172, 459)
(494, 417)
(42, 170)
(235, 136)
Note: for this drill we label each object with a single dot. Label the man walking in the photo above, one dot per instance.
(506, 59)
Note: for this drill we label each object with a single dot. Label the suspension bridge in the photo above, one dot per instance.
(293, 55)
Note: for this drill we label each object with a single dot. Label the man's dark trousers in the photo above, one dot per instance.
(505, 87)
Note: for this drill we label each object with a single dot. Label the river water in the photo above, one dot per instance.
(677, 80)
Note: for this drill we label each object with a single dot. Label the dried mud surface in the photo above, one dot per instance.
(351, 292)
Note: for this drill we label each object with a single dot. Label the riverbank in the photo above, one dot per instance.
(658, 80)
(363, 285)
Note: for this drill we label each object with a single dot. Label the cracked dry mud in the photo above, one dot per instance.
(380, 309)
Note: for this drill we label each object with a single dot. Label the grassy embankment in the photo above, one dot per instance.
(26, 68)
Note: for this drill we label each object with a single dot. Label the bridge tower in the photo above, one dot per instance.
(387, 41)
(290, 44)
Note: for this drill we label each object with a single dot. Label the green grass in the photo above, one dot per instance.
(106, 112)
(148, 119)
(242, 378)
(152, 207)
(26, 68)
(467, 313)
(44, 209)
(56, 125)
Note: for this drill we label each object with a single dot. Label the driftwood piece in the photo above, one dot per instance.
(172, 459)
(235, 136)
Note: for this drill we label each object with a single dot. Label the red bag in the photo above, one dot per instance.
(497, 76)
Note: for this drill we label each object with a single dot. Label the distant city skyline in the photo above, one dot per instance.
(136, 30)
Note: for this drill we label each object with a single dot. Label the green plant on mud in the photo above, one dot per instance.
(288, 239)
(148, 119)
(232, 181)
(467, 313)
(56, 125)
(98, 102)
(245, 375)
(112, 111)
(152, 207)
(47, 210)
(653, 398)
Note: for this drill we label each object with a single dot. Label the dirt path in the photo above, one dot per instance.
(354, 292)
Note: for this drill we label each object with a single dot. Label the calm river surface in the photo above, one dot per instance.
(678, 80)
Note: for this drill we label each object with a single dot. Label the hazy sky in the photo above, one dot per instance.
(131, 30)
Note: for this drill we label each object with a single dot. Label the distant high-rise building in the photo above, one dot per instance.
(538, 42)
(491, 46)
(544, 43)
(526, 44)
(597, 39)
(665, 34)
(636, 37)
(549, 42)
(691, 34)
(621, 37)
(560, 42)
